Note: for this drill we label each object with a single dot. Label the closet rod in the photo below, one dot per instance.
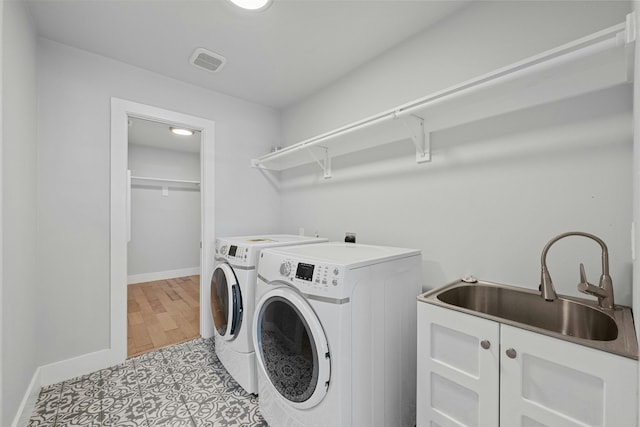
(536, 64)
(606, 39)
(180, 181)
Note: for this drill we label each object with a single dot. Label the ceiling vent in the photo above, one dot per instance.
(207, 60)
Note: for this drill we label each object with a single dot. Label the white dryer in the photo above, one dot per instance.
(233, 297)
(335, 335)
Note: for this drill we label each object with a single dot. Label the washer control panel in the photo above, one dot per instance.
(311, 276)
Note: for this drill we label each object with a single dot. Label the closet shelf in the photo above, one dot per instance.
(599, 61)
(163, 180)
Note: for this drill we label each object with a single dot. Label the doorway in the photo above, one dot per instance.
(162, 313)
(163, 249)
(122, 113)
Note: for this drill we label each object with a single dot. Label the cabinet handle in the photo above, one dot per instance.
(486, 344)
(511, 353)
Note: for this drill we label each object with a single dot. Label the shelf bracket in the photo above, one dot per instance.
(420, 138)
(325, 164)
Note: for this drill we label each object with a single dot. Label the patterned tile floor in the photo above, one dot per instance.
(182, 385)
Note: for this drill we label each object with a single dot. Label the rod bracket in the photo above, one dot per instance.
(325, 163)
(420, 138)
(630, 35)
(630, 28)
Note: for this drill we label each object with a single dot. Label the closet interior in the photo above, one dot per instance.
(163, 251)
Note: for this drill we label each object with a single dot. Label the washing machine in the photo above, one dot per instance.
(335, 335)
(233, 297)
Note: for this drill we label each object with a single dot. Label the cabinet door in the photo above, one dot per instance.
(457, 377)
(549, 382)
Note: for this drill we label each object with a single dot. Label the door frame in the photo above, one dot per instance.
(121, 110)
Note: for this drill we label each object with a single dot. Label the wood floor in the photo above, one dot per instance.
(162, 313)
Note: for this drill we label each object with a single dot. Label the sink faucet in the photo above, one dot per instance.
(604, 290)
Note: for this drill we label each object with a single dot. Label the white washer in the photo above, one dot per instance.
(233, 297)
(335, 335)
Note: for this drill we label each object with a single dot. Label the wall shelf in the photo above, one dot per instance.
(599, 61)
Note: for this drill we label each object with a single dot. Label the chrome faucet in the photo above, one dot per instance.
(604, 290)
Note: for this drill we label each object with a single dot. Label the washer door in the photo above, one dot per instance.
(291, 347)
(226, 302)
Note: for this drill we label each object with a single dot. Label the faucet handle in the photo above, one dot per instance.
(583, 275)
(584, 286)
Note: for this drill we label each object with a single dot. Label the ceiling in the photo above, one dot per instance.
(158, 135)
(276, 57)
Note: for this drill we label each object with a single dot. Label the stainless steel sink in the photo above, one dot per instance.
(561, 316)
(572, 319)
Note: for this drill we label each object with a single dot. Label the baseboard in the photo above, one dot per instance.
(57, 372)
(76, 366)
(162, 275)
(28, 401)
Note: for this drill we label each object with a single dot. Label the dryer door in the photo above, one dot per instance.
(226, 302)
(291, 347)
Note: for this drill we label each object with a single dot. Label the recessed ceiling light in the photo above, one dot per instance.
(254, 5)
(181, 131)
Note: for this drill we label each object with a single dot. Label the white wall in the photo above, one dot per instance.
(20, 335)
(498, 189)
(74, 90)
(477, 39)
(165, 230)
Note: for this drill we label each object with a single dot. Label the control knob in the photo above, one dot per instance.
(223, 250)
(285, 268)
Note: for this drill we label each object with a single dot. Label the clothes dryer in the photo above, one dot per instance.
(233, 297)
(335, 335)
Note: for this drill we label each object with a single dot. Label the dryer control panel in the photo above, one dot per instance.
(233, 254)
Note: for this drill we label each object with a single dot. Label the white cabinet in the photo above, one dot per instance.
(458, 379)
(522, 379)
(556, 383)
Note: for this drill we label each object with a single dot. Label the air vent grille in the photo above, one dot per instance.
(207, 60)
